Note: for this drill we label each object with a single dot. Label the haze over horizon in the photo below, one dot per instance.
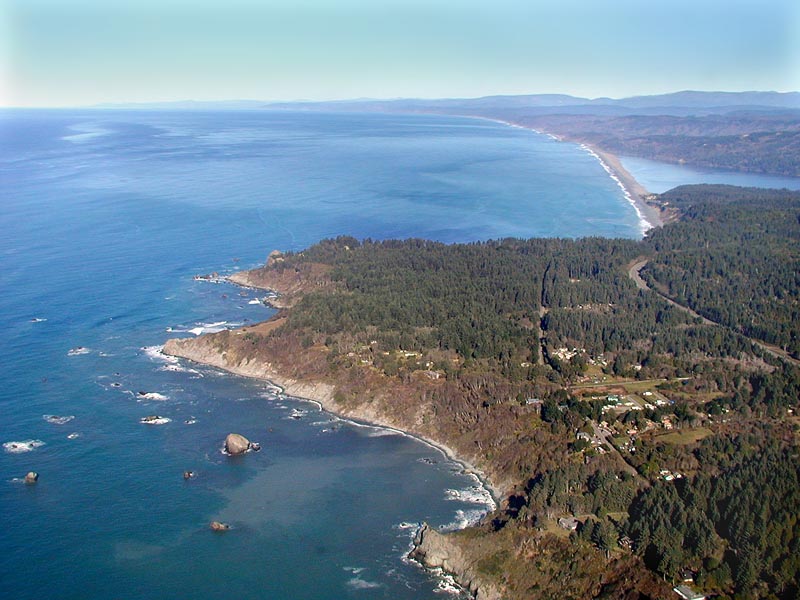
(87, 52)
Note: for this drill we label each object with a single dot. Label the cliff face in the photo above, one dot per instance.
(435, 550)
(290, 282)
(208, 350)
(357, 393)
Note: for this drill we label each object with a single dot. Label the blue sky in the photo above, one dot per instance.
(78, 52)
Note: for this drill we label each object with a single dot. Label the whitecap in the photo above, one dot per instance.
(25, 446)
(379, 432)
(155, 420)
(473, 495)
(78, 350)
(173, 368)
(644, 224)
(254, 301)
(254, 447)
(151, 396)
(464, 519)
(362, 584)
(73, 435)
(447, 585)
(156, 353)
(202, 328)
(38, 320)
(56, 420)
(354, 570)
(297, 413)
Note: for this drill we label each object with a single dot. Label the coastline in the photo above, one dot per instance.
(635, 193)
(432, 548)
(322, 394)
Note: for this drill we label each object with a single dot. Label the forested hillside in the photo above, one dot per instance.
(747, 141)
(735, 258)
(630, 434)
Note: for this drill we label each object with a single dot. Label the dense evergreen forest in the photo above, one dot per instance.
(672, 442)
(735, 259)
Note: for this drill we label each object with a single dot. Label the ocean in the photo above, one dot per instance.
(108, 216)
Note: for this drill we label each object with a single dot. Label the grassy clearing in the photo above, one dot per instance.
(684, 436)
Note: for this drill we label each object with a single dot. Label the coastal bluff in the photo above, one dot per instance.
(439, 551)
(207, 351)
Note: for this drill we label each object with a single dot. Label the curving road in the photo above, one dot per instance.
(635, 273)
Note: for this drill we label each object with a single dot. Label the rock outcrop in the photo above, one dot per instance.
(236, 444)
(32, 477)
(219, 526)
(436, 550)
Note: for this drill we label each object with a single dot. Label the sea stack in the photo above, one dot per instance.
(236, 444)
(31, 477)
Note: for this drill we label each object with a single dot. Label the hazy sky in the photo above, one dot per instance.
(71, 52)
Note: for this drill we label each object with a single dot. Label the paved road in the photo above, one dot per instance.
(635, 273)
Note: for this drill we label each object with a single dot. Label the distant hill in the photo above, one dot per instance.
(678, 103)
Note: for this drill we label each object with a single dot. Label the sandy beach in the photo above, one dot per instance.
(634, 191)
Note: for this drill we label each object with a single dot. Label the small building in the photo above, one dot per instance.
(687, 576)
(687, 593)
(568, 523)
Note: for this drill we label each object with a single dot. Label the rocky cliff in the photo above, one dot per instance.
(435, 550)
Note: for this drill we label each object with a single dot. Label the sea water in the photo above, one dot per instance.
(106, 217)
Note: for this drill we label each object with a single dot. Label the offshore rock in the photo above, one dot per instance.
(219, 526)
(32, 477)
(236, 444)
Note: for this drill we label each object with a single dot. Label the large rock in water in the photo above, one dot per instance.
(236, 444)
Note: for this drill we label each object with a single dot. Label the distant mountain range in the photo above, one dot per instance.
(678, 104)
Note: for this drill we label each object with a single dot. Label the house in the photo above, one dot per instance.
(687, 576)
(687, 593)
(568, 523)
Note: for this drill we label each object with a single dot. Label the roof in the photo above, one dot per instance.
(687, 593)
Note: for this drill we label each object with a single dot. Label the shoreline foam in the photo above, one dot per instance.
(321, 394)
